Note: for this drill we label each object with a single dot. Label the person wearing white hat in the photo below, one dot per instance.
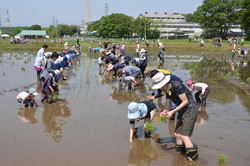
(179, 94)
(144, 110)
(27, 98)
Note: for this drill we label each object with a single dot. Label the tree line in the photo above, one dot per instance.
(216, 18)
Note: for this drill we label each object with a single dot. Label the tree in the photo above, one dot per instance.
(144, 27)
(16, 31)
(191, 17)
(245, 15)
(114, 25)
(35, 27)
(216, 17)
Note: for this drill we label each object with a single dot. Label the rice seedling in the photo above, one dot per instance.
(222, 158)
(248, 80)
(242, 83)
(54, 97)
(23, 68)
(148, 127)
(213, 82)
(163, 118)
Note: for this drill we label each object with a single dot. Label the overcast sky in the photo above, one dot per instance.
(72, 12)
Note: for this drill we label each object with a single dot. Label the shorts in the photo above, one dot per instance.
(186, 121)
(46, 92)
(27, 102)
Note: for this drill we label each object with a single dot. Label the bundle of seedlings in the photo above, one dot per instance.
(148, 129)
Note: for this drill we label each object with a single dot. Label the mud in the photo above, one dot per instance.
(88, 124)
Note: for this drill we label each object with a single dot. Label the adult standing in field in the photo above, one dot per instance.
(38, 64)
(178, 93)
(66, 45)
(137, 48)
(161, 53)
(233, 48)
(143, 61)
(42, 50)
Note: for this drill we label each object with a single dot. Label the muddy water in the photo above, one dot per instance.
(89, 126)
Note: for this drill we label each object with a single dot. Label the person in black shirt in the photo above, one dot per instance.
(179, 94)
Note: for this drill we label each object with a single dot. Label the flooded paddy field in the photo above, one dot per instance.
(89, 125)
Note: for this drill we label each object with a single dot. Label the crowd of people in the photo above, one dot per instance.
(50, 68)
(114, 62)
(180, 103)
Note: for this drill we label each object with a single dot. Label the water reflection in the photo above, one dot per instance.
(27, 115)
(202, 114)
(123, 96)
(142, 152)
(54, 118)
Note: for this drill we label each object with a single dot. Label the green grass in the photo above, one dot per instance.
(173, 47)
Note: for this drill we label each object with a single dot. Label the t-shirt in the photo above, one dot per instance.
(22, 95)
(40, 53)
(176, 89)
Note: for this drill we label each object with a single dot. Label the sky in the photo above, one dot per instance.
(72, 12)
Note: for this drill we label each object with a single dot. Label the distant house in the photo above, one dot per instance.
(33, 34)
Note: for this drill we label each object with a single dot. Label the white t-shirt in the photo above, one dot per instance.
(22, 95)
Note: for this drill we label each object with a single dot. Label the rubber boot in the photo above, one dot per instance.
(203, 102)
(180, 148)
(192, 153)
(44, 99)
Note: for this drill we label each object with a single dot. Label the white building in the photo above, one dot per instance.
(163, 18)
(174, 26)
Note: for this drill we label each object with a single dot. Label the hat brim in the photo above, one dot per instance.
(141, 113)
(162, 83)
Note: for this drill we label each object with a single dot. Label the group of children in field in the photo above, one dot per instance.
(50, 68)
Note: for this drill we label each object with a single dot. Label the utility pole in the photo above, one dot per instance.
(7, 19)
(106, 9)
(145, 30)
